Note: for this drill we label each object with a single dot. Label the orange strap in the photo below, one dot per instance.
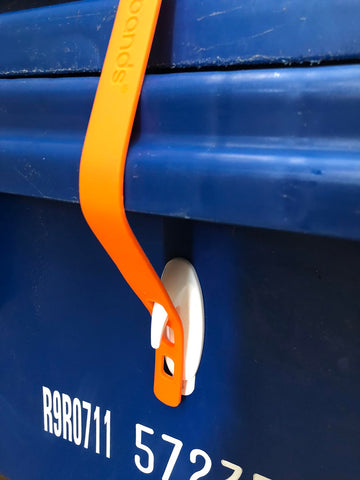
(102, 175)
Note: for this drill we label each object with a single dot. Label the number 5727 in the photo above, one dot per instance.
(147, 464)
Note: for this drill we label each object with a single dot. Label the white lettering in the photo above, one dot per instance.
(66, 417)
(57, 413)
(77, 421)
(63, 417)
(47, 407)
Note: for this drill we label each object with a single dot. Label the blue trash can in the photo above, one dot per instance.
(243, 160)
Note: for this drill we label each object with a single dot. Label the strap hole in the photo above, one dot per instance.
(169, 366)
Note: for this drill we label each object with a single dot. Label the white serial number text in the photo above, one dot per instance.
(74, 420)
(146, 464)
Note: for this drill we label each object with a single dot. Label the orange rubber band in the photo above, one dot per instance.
(102, 175)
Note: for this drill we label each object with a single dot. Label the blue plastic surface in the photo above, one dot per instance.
(73, 37)
(267, 148)
(211, 155)
(277, 390)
